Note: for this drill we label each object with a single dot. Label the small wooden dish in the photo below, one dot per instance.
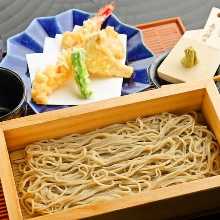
(163, 34)
(201, 96)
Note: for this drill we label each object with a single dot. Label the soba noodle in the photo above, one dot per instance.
(117, 160)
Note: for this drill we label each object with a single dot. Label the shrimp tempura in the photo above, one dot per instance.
(104, 51)
(90, 26)
(45, 82)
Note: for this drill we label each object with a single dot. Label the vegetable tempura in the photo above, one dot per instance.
(81, 73)
(104, 53)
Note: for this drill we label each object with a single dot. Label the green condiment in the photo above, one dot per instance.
(81, 73)
(190, 59)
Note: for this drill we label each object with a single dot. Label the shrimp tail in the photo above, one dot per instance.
(106, 10)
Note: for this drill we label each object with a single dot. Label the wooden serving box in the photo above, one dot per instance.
(159, 35)
(163, 203)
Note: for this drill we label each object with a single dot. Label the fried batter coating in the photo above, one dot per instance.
(45, 82)
(104, 53)
(103, 59)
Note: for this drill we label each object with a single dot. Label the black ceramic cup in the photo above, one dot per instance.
(12, 95)
(156, 80)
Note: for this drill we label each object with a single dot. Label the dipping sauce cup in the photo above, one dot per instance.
(12, 95)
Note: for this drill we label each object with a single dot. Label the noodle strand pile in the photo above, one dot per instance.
(117, 160)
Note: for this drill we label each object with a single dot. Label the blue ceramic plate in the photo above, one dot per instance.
(31, 40)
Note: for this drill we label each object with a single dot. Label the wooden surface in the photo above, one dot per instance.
(8, 182)
(88, 117)
(173, 71)
(158, 39)
(217, 78)
(211, 108)
(128, 204)
(21, 131)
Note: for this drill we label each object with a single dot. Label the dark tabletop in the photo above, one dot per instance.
(15, 15)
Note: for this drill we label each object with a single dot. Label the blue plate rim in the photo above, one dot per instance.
(84, 12)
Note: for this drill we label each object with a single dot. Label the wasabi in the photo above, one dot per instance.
(190, 59)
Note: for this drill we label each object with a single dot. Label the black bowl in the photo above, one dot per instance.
(12, 95)
(156, 80)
